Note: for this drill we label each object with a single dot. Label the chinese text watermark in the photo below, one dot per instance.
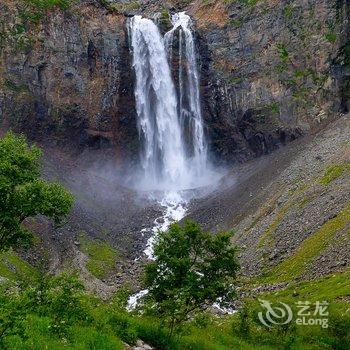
(308, 314)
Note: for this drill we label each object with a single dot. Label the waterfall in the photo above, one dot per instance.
(163, 155)
(189, 94)
(174, 152)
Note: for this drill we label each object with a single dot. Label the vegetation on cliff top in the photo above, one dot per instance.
(15, 34)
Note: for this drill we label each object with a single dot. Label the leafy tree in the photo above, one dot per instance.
(23, 194)
(192, 270)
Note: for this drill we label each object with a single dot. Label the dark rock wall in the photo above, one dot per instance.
(70, 82)
(271, 71)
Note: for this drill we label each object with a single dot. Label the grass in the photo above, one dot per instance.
(249, 3)
(266, 237)
(227, 332)
(29, 14)
(57, 313)
(102, 257)
(119, 8)
(311, 247)
(333, 172)
(36, 10)
(11, 86)
(14, 268)
(332, 288)
(331, 37)
(50, 4)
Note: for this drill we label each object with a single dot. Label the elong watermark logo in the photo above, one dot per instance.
(308, 314)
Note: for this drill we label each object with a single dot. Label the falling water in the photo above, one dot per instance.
(169, 160)
(189, 96)
(163, 156)
(174, 151)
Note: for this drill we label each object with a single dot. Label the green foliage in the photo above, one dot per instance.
(208, 2)
(164, 21)
(248, 3)
(235, 80)
(14, 268)
(10, 85)
(273, 108)
(192, 270)
(288, 12)
(283, 52)
(266, 237)
(57, 313)
(332, 288)
(102, 256)
(317, 78)
(35, 10)
(333, 172)
(54, 313)
(331, 37)
(311, 247)
(45, 5)
(237, 22)
(119, 8)
(23, 194)
(123, 326)
(19, 37)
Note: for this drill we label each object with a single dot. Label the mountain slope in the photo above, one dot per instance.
(290, 210)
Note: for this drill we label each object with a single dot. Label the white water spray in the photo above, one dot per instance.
(164, 118)
(163, 157)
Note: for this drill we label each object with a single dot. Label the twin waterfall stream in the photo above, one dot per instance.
(174, 152)
(174, 157)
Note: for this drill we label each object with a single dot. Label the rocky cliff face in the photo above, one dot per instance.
(66, 76)
(270, 71)
(289, 210)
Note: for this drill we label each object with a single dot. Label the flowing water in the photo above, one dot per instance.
(163, 156)
(174, 151)
(189, 107)
(174, 157)
(174, 209)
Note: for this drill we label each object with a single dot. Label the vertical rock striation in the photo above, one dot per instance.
(68, 80)
(273, 70)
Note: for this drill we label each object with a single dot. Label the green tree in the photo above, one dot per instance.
(192, 270)
(23, 194)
